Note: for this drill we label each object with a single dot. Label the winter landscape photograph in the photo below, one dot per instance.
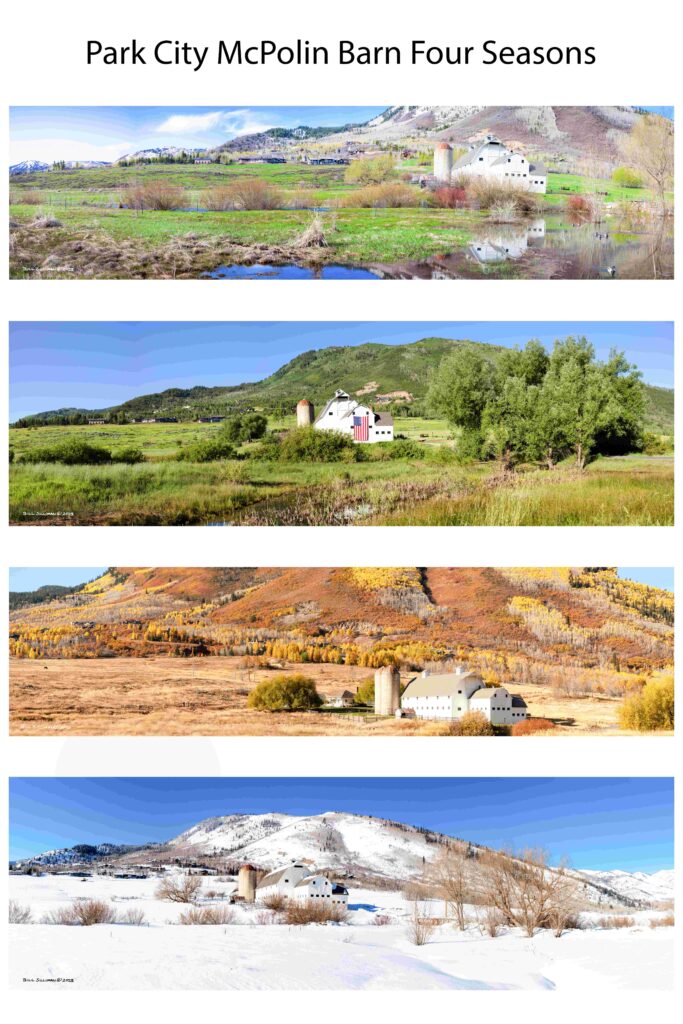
(403, 423)
(341, 193)
(410, 651)
(342, 883)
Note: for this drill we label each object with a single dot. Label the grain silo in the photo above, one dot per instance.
(387, 690)
(246, 883)
(443, 161)
(305, 413)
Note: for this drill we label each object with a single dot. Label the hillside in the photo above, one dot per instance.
(587, 630)
(367, 369)
(359, 847)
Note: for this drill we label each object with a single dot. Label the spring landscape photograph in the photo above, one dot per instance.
(443, 652)
(342, 883)
(341, 423)
(339, 193)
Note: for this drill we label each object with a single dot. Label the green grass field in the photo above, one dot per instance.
(111, 241)
(161, 490)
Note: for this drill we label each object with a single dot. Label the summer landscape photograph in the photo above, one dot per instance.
(454, 652)
(341, 423)
(339, 193)
(555, 884)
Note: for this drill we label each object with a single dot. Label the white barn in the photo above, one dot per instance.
(492, 159)
(452, 694)
(359, 422)
(298, 882)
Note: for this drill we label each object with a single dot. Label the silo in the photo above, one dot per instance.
(443, 161)
(246, 883)
(387, 690)
(305, 413)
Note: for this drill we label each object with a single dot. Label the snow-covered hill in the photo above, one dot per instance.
(159, 152)
(635, 885)
(28, 167)
(337, 840)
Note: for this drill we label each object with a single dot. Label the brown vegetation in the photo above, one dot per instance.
(526, 892)
(420, 928)
(667, 921)
(616, 921)
(179, 888)
(207, 915)
(82, 912)
(532, 726)
(155, 195)
(313, 912)
(19, 914)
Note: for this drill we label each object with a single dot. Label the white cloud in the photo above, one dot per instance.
(231, 122)
(50, 150)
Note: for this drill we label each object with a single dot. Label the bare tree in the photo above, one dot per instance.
(649, 148)
(179, 888)
(526, 892)
(447, 876)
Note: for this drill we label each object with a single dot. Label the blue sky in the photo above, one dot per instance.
(107, 133)
(94, 365)
(22, 579)
(599, 823)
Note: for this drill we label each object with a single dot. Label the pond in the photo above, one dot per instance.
(292, 272)
(551, 248)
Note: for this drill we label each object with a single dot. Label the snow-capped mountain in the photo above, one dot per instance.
(71, 164)
(158, 152)
(335, 839)
(82, 853)
(28, 167)
(636, 885)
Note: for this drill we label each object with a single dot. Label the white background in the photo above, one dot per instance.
(44, 63)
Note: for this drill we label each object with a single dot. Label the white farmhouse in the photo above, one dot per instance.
(452, 694)
(359, 422)
(298, 882)
(491, 159)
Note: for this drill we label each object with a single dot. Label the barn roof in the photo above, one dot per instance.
(439, 684)
(308, 879)
(489, 692)
(384, 419)
(518, 702)
(538, 169)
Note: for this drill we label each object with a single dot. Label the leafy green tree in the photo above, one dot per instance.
(505, 421)
(460, 390)
(305, 444)
(365, 693)
(285, 693)
(247, 427)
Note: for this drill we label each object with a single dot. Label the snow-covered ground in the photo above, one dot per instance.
(247, 954)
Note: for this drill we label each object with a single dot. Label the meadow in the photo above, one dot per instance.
(163, 696)
(434, 490)
(76, 223)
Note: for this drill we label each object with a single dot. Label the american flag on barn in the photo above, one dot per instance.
(361, 427)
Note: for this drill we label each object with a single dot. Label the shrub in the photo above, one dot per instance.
(578, 205)
(211, 450)
(617, 921)
(655, 444)
(491, 922)
(179, 888)
(420, 928)
(651, 709)
(249, 427)
(155, 195)
(265, 917)
(314, 912)
(218, 199)
(472, 723)
(381, 920)
(29, 197)
(389, 195)
(207, 915)
(73, 452)
(369, 172)
(486, 193)
(663, 922)
(504, 211)
(302, 199)
(305, 444)
(276, 901)
(450, 197)
(255, 194)
(627, 177)
(530, 726)
(19, 914)
(285, 693)
(82, 912)
(134, 916)
(129, 456)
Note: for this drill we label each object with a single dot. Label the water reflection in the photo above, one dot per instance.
(507, 241)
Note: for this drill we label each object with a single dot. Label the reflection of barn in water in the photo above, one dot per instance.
(508, 243)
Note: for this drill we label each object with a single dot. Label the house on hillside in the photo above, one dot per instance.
(298, 882)
(359, 422)
(490, 159)
(452, 694)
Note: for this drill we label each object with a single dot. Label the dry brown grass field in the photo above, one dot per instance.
(164, 696)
